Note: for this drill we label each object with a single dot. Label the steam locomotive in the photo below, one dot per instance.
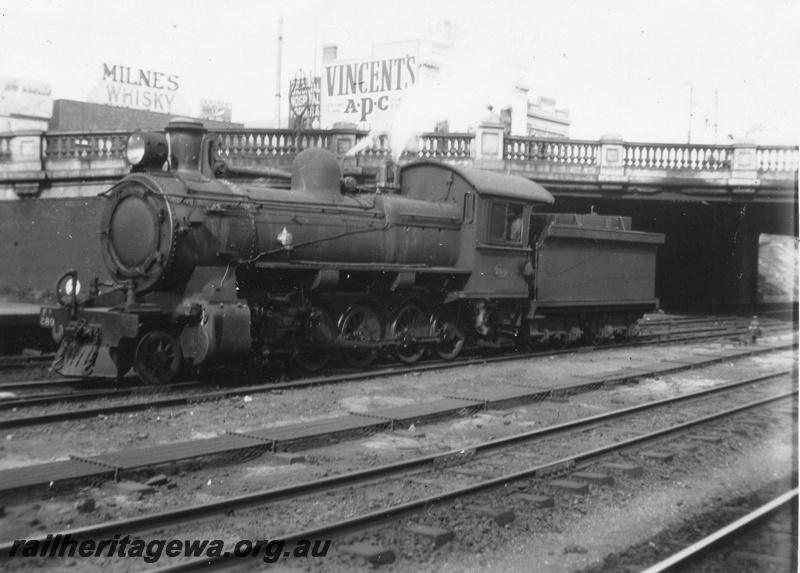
(207, 269)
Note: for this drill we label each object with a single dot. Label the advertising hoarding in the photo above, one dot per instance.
(136, 88)
(216, 110)
(27, 98)
(367, 91)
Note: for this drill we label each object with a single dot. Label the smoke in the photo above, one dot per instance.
(458, 81)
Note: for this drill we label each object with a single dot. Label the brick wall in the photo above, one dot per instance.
(40, 239)
(70, 115)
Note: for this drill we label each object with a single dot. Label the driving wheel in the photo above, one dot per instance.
(450, 333)
(158, 357)
(409, 325)
(360, 324)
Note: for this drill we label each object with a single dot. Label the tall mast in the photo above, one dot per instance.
(278, 79)
(716, 116)
(691, 105)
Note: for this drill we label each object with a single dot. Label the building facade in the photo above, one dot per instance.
(544, 119)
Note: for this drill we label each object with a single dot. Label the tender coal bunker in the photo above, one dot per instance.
(710, 260)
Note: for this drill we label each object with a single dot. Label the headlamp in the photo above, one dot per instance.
(147, 150)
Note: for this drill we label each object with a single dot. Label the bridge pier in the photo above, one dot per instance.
(734, 259)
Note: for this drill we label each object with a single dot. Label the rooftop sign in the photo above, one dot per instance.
(150, 90)
(25, 98)
(366, 91)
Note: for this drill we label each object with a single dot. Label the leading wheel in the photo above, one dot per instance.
(451, 334)
(360, 324)
(320, 329)
(158, 358)
(409, 325)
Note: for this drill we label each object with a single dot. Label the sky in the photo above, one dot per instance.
(646, 70)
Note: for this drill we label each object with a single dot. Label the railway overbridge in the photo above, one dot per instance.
(715, 203)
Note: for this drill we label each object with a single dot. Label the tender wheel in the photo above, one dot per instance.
(321, 330)
(607, 333)
(158, 358)
(574, 335)
(360, 324)
(410, 325)
(633, 329)
(450, 333)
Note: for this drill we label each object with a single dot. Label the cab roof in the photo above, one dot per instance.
(490, 183)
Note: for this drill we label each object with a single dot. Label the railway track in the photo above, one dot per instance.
(765, 539)
(143, 395)
(255, 442)
(490, 482)
(131, 386)
(21, 362)
(656, 330)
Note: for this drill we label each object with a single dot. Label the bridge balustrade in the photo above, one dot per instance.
(111, 145)
(371, 145)
(569, 151)
(777, 159)
(85, 146)
(445, 146)
(266, 143)
(31, 158)
(678, 157)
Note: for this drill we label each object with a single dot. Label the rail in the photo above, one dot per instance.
(683, 560)
(443, 459)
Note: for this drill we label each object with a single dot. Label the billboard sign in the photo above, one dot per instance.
(304, 101)
(366, 92)
(25, 98)
(150, 90)
(299, 96)
(216, 110)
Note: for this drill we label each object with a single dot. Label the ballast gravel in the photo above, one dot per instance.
(576, 532)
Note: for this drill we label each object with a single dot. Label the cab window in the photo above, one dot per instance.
(505, 222)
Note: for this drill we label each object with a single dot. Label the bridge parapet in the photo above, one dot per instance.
(678, 157)
(568, 151)
(59, 164)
